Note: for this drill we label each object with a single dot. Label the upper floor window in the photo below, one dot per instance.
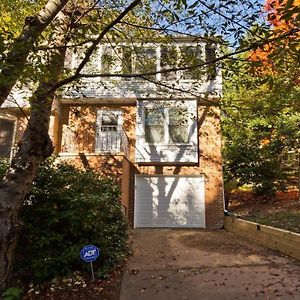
(190, 56)
(210, 55)
(149, 58)
(166, 131)
(168, 60)
(167, 125)
(127, 61)
(107, 59)
(145, 60)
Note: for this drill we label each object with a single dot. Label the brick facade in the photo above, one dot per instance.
(82, 121)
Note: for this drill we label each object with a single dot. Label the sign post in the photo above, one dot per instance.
(89, 254)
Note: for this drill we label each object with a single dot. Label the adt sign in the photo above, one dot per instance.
(89, 253)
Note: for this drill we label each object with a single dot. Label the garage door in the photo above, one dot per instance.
(169, 201)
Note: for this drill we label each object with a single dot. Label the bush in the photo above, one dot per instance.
(66, 209)
(3, 166)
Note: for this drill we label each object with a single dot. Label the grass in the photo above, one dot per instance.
(281, 210)
(284, 220)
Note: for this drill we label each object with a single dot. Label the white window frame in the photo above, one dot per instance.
(166, 106)
(166, 125)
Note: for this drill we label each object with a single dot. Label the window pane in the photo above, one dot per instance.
(126, 60)
(190, 56)
(107, 59)
(109, 118)
(168, 59)
(145, 60)
(6, 137)
(109, 121)
(178, 116)
(178, 134)
(210, 53)
(154, 134)
(154, 116)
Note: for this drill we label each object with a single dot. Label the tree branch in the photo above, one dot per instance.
(218, 59)
(15, 59)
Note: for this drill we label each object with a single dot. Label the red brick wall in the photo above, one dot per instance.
(82, 119)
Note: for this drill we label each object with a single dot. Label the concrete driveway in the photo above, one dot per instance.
(169, 264)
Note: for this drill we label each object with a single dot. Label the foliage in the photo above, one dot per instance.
(4, 164)
(12, 293)
(283, 16)
(262, 109)
(66, 209)
(260, 126)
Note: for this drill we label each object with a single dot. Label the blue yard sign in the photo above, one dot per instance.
(89, 253)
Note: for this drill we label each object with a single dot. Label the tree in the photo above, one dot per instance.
(15, 57)
(262, 109)
(260, 127)
(36, 144)
(114, 20)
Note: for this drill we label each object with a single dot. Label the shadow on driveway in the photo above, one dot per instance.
(175, 264)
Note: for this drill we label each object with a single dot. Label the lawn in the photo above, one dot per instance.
(281, 210)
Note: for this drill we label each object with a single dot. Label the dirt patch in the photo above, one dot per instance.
(281, 210)
(214, 242)
(78, 287)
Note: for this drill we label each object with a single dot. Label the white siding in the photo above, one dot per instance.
(170, 153)
(169, 201)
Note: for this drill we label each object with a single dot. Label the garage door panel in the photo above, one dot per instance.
(169, 201)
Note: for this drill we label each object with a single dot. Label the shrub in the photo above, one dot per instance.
(3, 167)
(66, 209)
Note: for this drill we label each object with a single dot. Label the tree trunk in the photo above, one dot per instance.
(299, 174)
(35, 146)
(14, 61)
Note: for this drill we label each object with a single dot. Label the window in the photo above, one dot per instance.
(168, 60)
(178, 125)
(126, 60)
(109, 131)
(145, 60)
(107, 59)
(210, 55)
(154, 125)
(6, 136)
(166, 125)
(166, 131)
(190, 56)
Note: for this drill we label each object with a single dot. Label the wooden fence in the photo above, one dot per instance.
(278, 239)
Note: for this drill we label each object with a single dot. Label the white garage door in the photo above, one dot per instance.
(169, 201)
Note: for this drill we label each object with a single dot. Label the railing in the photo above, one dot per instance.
(107, 142)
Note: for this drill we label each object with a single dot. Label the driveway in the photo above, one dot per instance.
(169, 264)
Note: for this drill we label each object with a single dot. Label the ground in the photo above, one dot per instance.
(281, 210)
(198, 264)
(78, 286)
(200, 258)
